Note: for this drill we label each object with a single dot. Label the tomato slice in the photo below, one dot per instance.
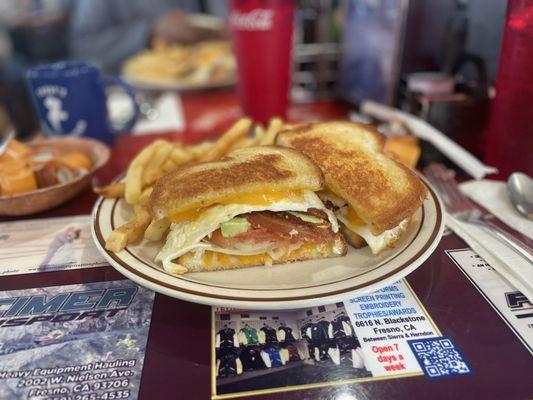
(277, 228)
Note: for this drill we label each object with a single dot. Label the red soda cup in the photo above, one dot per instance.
(509, 135)
(261, 32)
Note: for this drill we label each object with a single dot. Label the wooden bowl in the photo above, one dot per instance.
(52, 196)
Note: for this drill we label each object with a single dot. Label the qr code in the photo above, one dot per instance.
(439, 357)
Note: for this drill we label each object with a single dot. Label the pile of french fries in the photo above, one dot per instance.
(161, 157)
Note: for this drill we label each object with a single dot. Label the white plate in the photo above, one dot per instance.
(294, 285)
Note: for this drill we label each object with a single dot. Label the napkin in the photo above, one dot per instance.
(168, 110)
(493, 196)
(510, 265)
(425, 131)
(170, 116)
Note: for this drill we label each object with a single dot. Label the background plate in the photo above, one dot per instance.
(177, 86)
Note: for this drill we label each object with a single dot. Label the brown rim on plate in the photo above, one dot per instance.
(159, 282)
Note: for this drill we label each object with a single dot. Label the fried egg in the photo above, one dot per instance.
(376, 242)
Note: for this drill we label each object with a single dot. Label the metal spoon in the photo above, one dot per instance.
(520, 188)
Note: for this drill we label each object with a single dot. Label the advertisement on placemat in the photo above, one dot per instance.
(509, 303)
(381, 335)
(51, 244)
(384, 321)
(75, 342)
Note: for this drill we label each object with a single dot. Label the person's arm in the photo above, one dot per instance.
(358, 360)
(335, 355)
(283, 356)
(266, 359)
(242, 338)
(102, 32)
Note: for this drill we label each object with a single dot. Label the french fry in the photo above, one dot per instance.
(289, 126)
(135, 172)
(117, 241)
(145, 196)
(246, 142)
(153, 175)
(154, 168)
(130, 231)
(113, 191)
(259, 133)
(274, 127)
(168, 166)
(156, 229)
(199, 150)
(181, 155)
(238, 131)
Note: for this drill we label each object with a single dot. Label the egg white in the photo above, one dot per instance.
(376, 242)
(187, 236)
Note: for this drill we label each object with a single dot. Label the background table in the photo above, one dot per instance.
(503, 369)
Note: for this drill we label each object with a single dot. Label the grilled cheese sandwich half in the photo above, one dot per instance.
(257, 206)
(372, 195)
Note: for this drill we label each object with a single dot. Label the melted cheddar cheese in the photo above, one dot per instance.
(350, 214)
(213, 259)
(353, 217)
(255, 199)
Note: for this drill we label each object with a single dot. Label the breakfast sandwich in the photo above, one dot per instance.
(372, 195)
(256, 206)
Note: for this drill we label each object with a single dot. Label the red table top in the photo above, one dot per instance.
(503, 367)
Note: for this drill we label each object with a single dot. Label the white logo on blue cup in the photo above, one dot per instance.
(55, 113)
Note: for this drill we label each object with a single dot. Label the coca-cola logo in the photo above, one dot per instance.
(255, 20)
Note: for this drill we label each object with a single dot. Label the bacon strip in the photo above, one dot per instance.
(278, 228)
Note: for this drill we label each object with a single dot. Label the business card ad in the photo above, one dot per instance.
(50, 244)
(382, 335)
(383, 322)
(74, 342)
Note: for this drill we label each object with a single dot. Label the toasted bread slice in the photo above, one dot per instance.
(335, 248)
(252, 170)
(380, 190)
